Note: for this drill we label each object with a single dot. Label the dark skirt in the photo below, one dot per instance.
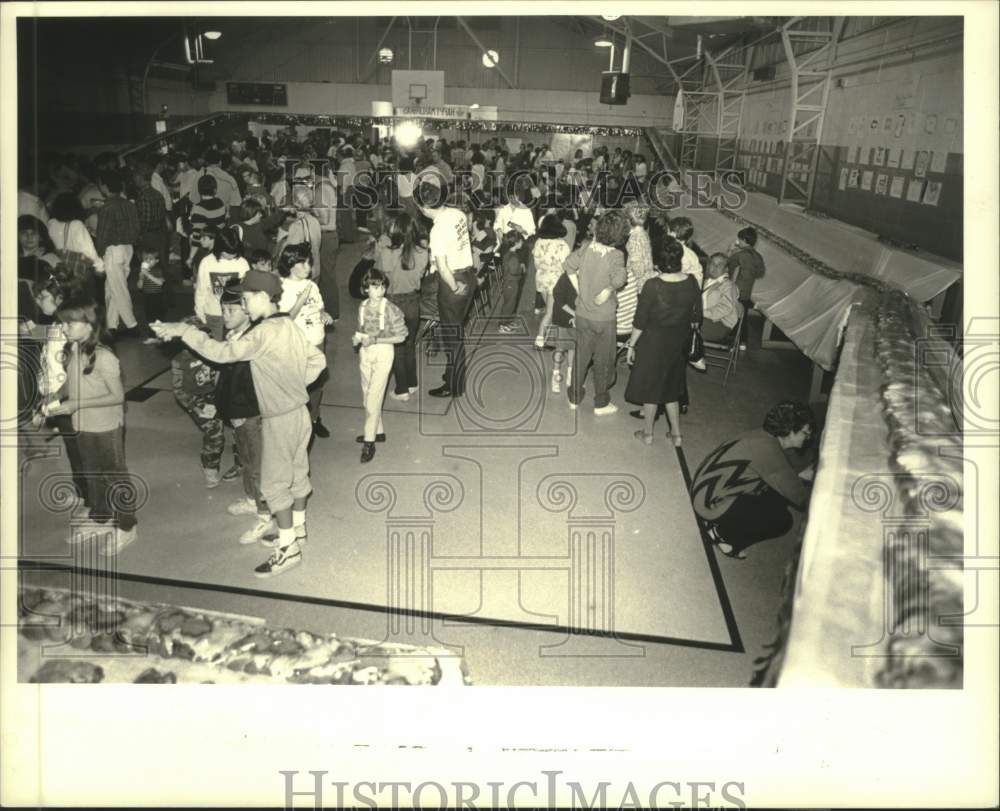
(660, 365)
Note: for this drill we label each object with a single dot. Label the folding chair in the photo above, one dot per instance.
(725, 354)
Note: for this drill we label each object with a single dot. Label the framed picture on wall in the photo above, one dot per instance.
(915, 190)
(896, 187)
(939, 159)
(852, 178)
(906, 161)
(932, 193)
(887, 124)
(852, 154)
(842, 183)
(879, 156)
(930, 125)
(882, 184)
(921, 162)
(893, 157)
(873, 126)
(866, 180)
(900, 124)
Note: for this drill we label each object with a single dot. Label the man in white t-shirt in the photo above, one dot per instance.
(451, 255)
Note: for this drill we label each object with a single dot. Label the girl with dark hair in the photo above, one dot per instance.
(743, 488)
(302, 300)
(669, 304)
(224, 263)
(600, 266)
(33, 240)
(68, 231)
(381, 326)
(401, 254)
(95, 399)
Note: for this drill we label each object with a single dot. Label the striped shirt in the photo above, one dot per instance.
(628, 300)
(209, 211)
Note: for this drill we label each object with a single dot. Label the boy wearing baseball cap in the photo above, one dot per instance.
(282, 364)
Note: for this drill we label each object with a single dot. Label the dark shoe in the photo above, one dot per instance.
(367, 451)
(321, 430)
(233, 473)
(443, 391)
(637, 414)
(361, 438)
(684, 409)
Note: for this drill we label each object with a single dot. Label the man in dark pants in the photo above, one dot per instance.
(451, 252)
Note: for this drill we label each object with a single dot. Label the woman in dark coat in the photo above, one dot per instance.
(669, 304)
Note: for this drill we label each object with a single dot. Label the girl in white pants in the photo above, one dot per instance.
(380, 326)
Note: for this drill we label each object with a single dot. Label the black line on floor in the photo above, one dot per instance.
(148, 380)
(713, 563)
(27, 565)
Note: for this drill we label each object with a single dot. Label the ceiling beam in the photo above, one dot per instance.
(662, 60)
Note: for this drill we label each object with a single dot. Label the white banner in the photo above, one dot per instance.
(440, 111)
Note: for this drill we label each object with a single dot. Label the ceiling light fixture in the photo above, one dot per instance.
(491, 59)
(213, 35)
(603, 43)
(611, 17)
(385, 56)
(473, 106)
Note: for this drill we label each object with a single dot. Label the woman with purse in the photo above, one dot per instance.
(669, 306)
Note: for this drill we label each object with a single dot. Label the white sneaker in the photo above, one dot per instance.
(245, 506)
(413, 390)
(403, 397)
(556, 380)
(572, 405)
(264, 526)
(117, 542)
(610, 408)
(280, 561)
(212, 478)
(539, 342)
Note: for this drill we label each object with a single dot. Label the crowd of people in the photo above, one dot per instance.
(254, 228)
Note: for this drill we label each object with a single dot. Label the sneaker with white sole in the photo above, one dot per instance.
(412, 390)
(212, 478)
(573, 406)
(281, 561)
(263, 527)
(245, 506)
(234, 472)
(556, 382)
(610, 408)
(119, 539)
(403, 397)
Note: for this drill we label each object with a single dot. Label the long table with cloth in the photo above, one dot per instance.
(883, 543)
(811, 309)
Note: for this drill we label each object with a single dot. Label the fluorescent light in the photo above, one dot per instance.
(213, 34)
(611, 17)
(603, 43)
(473, 106)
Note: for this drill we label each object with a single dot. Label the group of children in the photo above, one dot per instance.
(254, 357)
